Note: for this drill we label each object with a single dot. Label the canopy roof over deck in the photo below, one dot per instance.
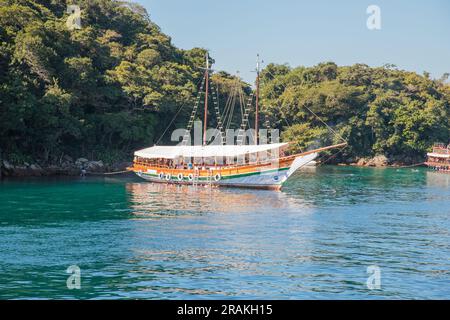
(438, 155)
(209, 151)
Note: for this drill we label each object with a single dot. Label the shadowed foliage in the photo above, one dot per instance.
(114, 85)
(380, 110)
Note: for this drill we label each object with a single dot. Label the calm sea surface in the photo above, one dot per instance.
(314, 239)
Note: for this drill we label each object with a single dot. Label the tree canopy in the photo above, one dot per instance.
(114, 85)
(379, 111)
(107, 88)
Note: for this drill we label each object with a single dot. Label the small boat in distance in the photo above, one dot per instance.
(264, 166)
(439, 159)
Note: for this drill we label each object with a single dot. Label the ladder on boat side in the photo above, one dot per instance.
(195, 178)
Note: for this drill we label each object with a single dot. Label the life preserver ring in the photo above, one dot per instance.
(168, 177)
(161, 175)
(190, 177)
(180, 177)
(217, 177)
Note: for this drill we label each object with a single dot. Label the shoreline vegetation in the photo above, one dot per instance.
(74, 100)
(83, 167)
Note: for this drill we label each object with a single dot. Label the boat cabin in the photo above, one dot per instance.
(439, 158)
(208, 157)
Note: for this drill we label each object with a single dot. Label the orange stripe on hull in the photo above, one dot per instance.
(224, 171)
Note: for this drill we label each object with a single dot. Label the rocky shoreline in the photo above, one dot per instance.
(381, 161)
(83, 166)
(66, 167)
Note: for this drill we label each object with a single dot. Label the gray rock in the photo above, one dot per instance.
(361, 162)
(121, 166)
(35, 167)
(20, 171)
(7, 165)
(81, 162)
(379, 161)
(67, 158)
(35, 170)
(68, 165)
(52, 170)
(94, 166)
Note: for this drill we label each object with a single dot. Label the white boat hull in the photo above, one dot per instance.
(264, 179)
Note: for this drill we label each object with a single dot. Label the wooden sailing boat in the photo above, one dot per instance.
(235, 165)
(439, 159)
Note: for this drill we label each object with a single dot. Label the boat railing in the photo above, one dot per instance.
(140, 164)
(207, 167)
(441, 148)
(435, 163)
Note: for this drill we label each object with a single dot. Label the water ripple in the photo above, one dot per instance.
(314, 239)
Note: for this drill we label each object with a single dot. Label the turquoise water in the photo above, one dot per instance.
(314, 239)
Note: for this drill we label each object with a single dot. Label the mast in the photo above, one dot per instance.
(257, 99)
(206, 99)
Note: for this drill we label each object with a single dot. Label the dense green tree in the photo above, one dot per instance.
(111, 86)
(114, 85)
(377, 110)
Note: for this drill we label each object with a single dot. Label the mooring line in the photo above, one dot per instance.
(410, 166)
(106, 173)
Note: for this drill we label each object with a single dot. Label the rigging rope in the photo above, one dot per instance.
(411, 166)
(241, 131)
(217, 111)
(236, 92)
(317, 116)
(332, 156)
(193, 113)
(230, 113)
(268, 127)
(226, 111)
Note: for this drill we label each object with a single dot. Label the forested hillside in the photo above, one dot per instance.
(379, 111)
(98, 92)
(114, 85)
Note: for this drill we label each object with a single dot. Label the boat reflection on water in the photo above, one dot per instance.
(186, 239)
(438, 179)
(157, 199)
